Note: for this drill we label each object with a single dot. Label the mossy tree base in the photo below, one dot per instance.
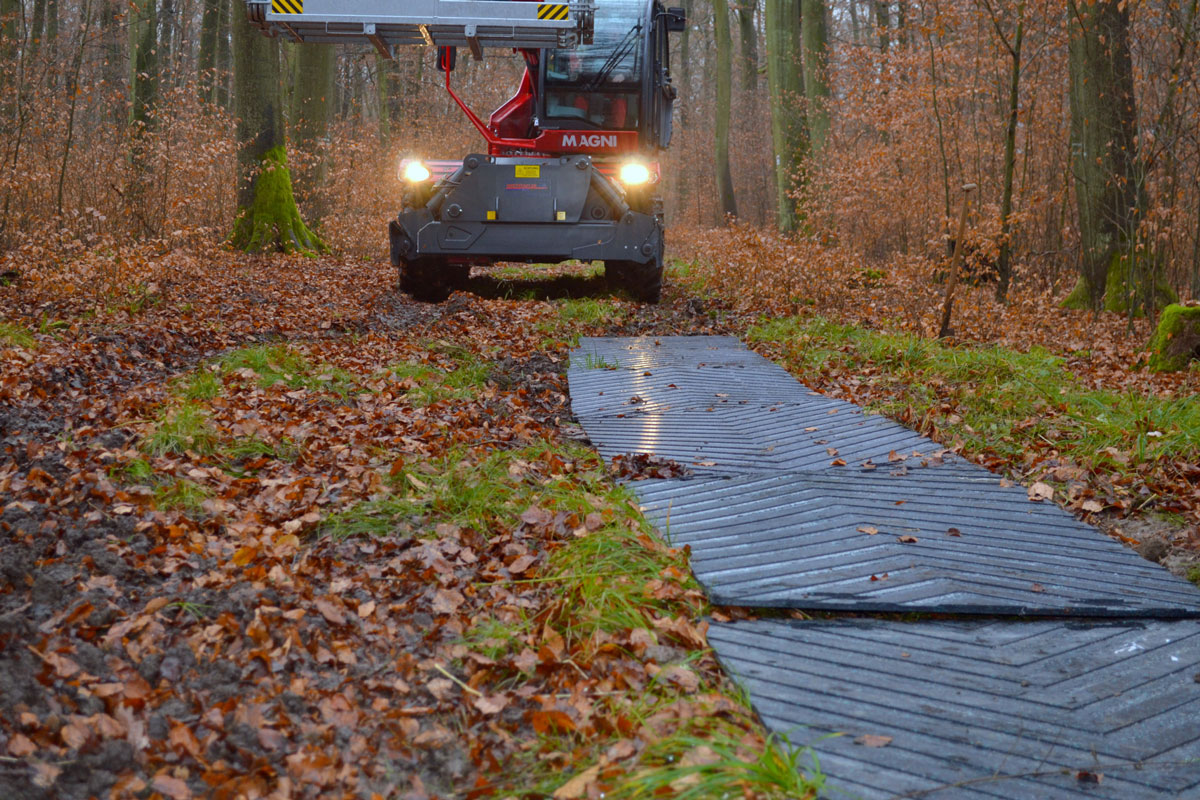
(272, 222)
(1177, 339)
(1120, 289)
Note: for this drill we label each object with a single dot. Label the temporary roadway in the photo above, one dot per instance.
(1041, 659)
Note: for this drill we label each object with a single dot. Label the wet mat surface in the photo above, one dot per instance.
(934, 539)
(970, 706)
(803, 501)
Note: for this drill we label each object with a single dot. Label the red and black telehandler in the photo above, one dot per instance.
(571, 166)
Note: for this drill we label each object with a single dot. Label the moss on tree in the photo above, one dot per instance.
(272, 221)
(1177, 339)
(1121, 287)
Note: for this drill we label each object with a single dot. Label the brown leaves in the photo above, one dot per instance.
(873, 740)
(1041, 491)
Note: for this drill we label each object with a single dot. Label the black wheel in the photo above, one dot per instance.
(642, 281)
(427, 280)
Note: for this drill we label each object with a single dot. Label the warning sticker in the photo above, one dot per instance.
(287, 6)
(528, 171)
(553, 11)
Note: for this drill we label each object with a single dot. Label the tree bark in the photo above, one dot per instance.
(1004, 260)
(206, 64)
(815, 36)
(383, 95)
(267, 216)
(143, 64)
(727, 200)
(789, 133)
(224, 54)
(883, 21)
(1116, 269)
(312, 104)
(749, 45)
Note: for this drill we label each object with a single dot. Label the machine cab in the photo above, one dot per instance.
(621, 81)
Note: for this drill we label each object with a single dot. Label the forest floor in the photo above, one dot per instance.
(271, 529)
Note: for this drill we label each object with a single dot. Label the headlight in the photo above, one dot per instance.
(635, 174)
(416, 172)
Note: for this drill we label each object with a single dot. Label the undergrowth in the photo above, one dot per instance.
(995, 398)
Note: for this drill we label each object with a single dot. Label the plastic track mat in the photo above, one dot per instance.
(797, 500)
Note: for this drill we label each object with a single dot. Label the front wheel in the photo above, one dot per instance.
(642, 281)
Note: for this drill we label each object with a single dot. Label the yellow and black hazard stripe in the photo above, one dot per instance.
(552, 11)
(287, 6)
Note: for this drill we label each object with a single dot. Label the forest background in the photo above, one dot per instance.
(1076, 120)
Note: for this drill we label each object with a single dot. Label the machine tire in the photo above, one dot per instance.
(426, 280)
(642, 281)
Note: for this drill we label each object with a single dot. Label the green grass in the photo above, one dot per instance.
(138, 471)
(203, 384)
(272, 364)
(16, 336)
(433, 385)
(381, 516)
(718, 764)
(182, 495)
(248, 447)
(177, 430)
(1002, 399)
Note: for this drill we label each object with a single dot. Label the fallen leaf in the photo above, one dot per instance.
(869, 530)
(578, 786)
(1041, 491)
(1092, 506)
(873, 740)
(171, 787)
(837, 462)
(953, 532)
(21, 745)
(906, 539)
(492, 704)
(330, 611)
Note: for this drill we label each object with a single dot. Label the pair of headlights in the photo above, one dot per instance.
(631, 173)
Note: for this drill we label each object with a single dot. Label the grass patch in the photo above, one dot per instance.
(183, 495)
(378, 517)
(272, 364)
(201, 385)
(1003, 400)
(721, 763)
(429, 384)
(180, 429)
(248, 447)
(14, 335)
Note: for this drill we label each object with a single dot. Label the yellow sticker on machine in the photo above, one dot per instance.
(554, 11)
(287, 6)
(528, 171)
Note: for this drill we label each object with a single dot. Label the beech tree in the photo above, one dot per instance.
(724, 81)
(1117, 266)
(789, 132)
(267, 216)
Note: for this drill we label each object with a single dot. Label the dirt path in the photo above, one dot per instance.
(271, 529)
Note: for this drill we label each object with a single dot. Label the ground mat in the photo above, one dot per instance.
(1029, 709)
(929, 538)
(1074, 670)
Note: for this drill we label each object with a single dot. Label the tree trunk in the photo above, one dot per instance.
(789, 132)
(267, 216)
(206, 64)
(143, 64)
(37, 28)
(383, 95)
(10, 39)
(883, 21)
(815, 35)
(1004, 261)
(224, 72)
(725, 195)
(312, 103)
(166, 39)
(749, 45)
(1115, 271)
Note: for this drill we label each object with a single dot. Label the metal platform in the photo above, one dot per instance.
(934, 539)
(388, 24)
(1014, 710)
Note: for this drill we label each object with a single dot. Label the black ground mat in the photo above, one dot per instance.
(747, 439)
(932, 538)
(1013, 710)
